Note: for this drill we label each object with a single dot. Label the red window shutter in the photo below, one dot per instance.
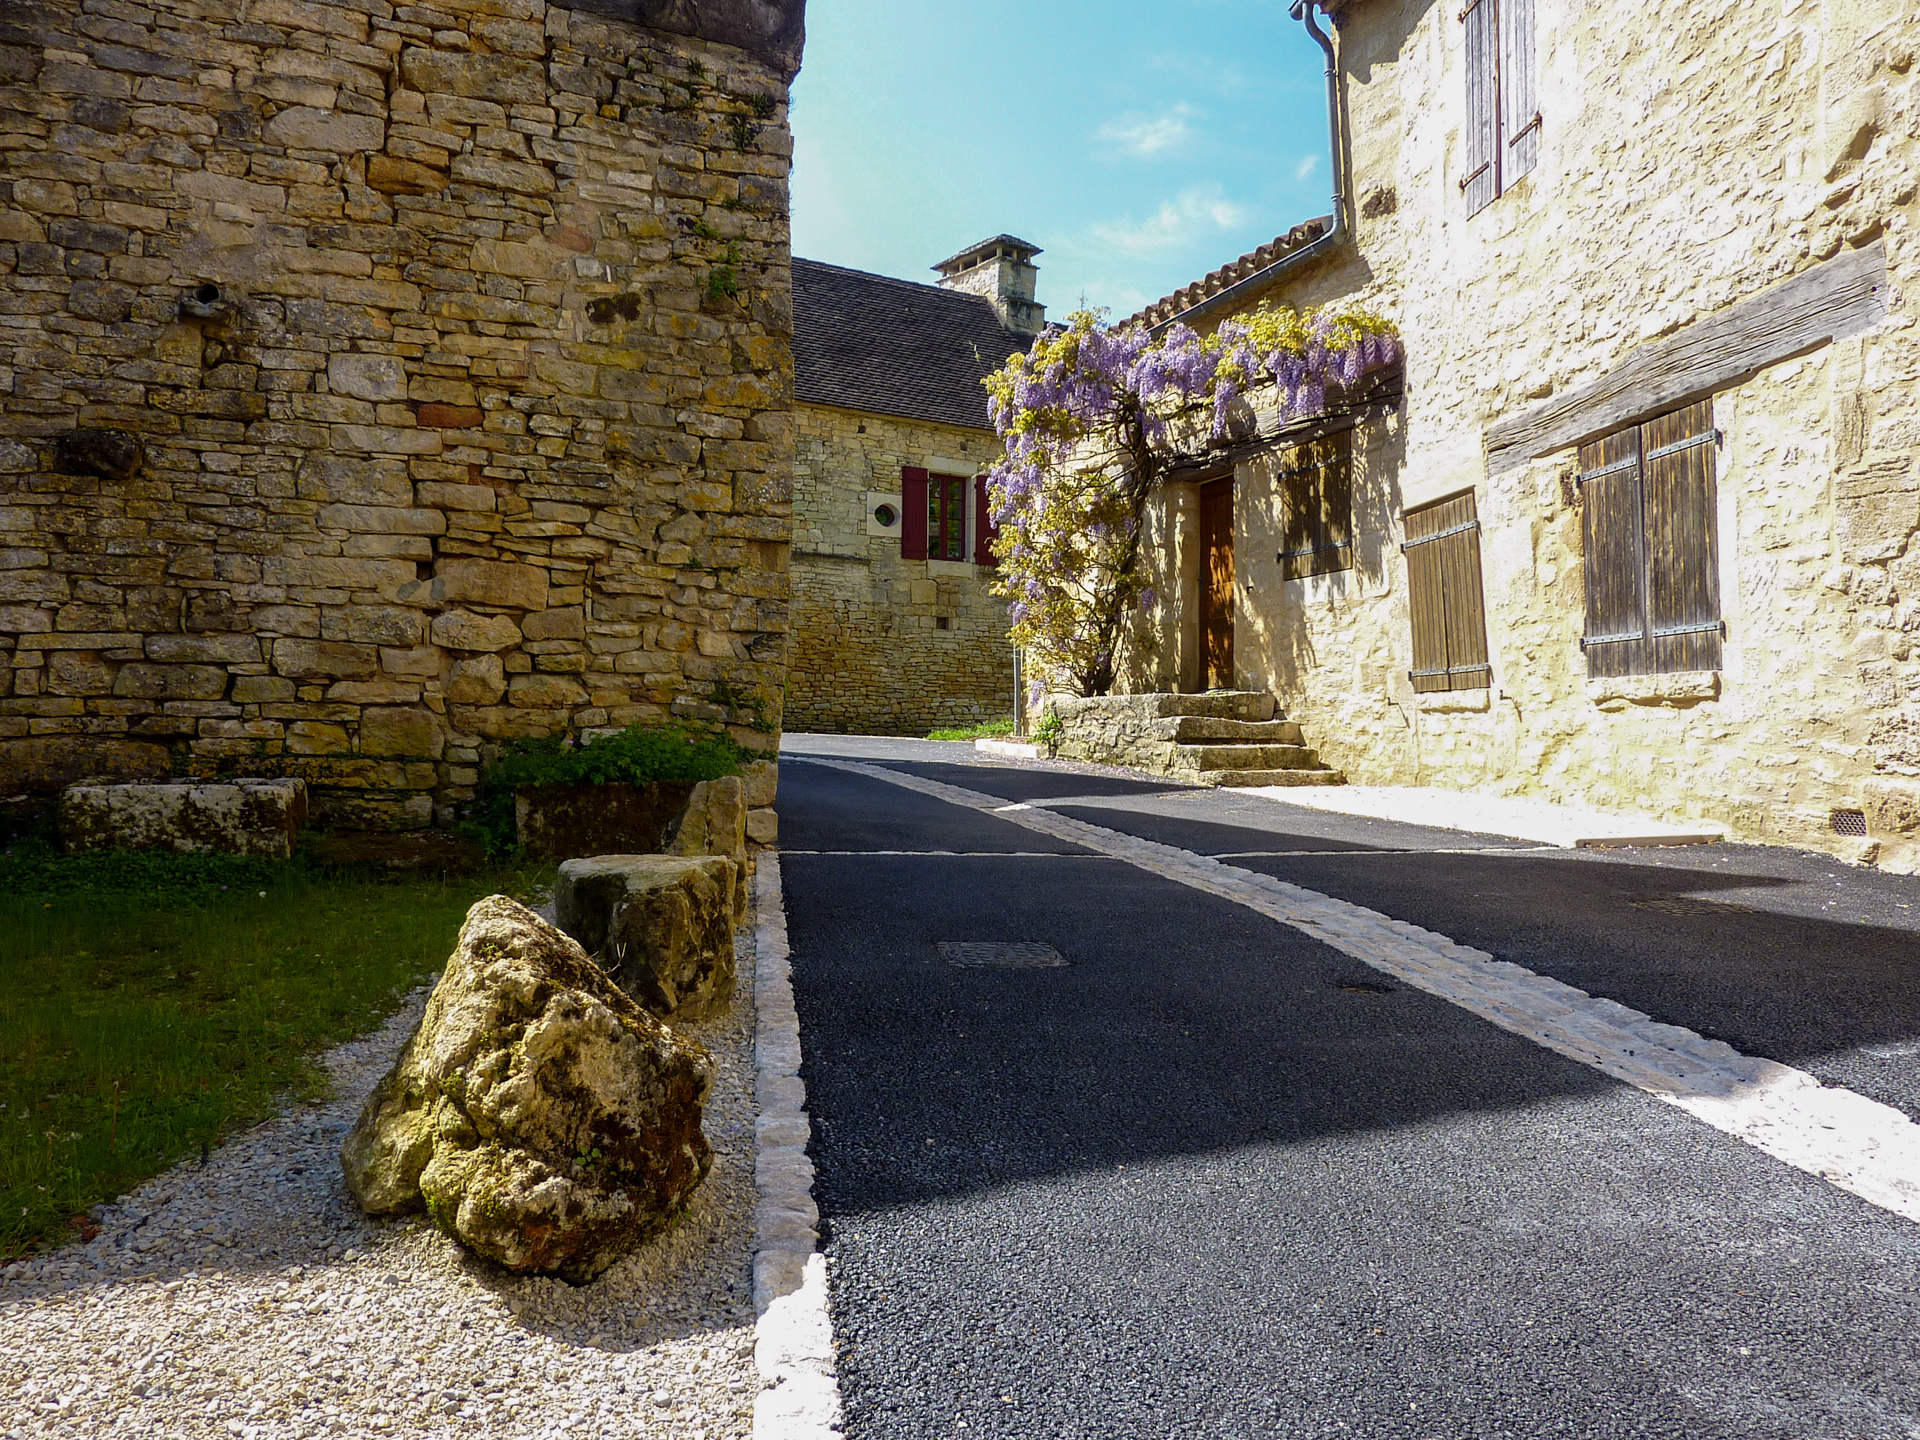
(984, 530)
(913, 513)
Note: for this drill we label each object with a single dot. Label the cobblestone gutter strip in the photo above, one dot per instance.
(793, 1341)
(1859, 1145)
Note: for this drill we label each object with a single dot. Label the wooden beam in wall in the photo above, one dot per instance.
(1837, 298)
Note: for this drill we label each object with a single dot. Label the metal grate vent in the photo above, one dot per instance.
(990, 955)
(1848, 822)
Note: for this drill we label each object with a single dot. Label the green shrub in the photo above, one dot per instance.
(983, 730)
(638, 755)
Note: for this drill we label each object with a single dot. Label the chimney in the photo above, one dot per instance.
(1002, 271)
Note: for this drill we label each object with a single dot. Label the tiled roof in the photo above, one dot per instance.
(869, 342)
(1299, 237)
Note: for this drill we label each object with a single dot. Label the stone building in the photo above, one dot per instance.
(894, 631)
(1636, 525)
(379, 384)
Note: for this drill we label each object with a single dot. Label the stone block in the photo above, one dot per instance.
(401, 730)
(463, 630)
(763, 827)
(762, 781)
(325, 659)
(715, 823)
(303, 127)
(481, 680)
(564, 623)
(661, 925)
(246, 817)
(140, 681)
(491, 582)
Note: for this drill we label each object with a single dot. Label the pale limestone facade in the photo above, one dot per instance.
(447, 359)
(1690, 158)
(882, 644)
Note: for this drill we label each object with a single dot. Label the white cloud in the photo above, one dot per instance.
(1195, 212)
(1149, 135)
(1308, 164)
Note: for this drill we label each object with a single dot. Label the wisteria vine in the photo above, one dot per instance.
(1086, 416)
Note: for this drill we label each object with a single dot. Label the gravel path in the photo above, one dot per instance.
(251, 1298)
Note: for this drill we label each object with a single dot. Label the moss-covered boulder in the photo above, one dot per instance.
(538, 1114)
(662, 925)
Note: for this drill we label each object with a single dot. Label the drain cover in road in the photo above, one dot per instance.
(992, 955)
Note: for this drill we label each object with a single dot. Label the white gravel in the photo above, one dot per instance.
(251, 1298)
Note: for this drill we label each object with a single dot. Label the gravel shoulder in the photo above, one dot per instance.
(249, 1297)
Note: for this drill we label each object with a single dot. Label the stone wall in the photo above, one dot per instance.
(1688, 160)
(442, 359)
(869, 654)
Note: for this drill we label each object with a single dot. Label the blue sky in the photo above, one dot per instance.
(1140, 143)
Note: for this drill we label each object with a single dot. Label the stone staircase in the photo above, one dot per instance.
(1227, 737)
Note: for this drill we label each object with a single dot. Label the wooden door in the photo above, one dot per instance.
(1216, 584)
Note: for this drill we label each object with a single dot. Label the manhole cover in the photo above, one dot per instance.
(1687, 906)
(994, 955)
(1364, 987)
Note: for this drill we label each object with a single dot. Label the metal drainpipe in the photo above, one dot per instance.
(1336, 232)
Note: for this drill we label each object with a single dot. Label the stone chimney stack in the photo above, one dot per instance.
(1001, 270)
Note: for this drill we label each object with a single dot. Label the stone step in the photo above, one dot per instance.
(1192, 729)
(1270, 777)
(1252, 705)
(1245, 757)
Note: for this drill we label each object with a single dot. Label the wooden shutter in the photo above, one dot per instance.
(1613, 528)
(1316, 507)
(1683, 562)
(984, 530)
(1653, 585)
(1445, 597)
(913, 513)
(1519, 99)
(1480, 177)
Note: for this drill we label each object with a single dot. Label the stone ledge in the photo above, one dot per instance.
(1681, 687)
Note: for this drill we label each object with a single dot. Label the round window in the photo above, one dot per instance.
(885, 515)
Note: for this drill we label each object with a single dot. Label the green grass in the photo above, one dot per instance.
(985, 730)
(153, 1005)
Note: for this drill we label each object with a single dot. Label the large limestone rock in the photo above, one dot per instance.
(538, 1114)
(662, 926)
(242, 817)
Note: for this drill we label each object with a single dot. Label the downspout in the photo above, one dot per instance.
(1336, 232)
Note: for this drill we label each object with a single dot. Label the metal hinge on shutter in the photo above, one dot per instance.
(1614, 469)
(1313, 550)
(1521, 133)
(1459, 529)
(1710, 437)
(1482, 669)
(1659, 632)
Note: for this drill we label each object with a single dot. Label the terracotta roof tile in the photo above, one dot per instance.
(1233, 272)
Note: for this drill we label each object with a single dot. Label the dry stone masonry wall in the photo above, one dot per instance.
(883, 645)
(379, 383)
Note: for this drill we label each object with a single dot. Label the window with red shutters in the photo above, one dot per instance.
(946, 512)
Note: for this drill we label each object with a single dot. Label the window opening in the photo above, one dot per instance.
(1316, 503)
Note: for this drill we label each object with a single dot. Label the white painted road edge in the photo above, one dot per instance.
(793, 1337)
(1861, 1146)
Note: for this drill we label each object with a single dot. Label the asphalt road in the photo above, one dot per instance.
(1210, 1178)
